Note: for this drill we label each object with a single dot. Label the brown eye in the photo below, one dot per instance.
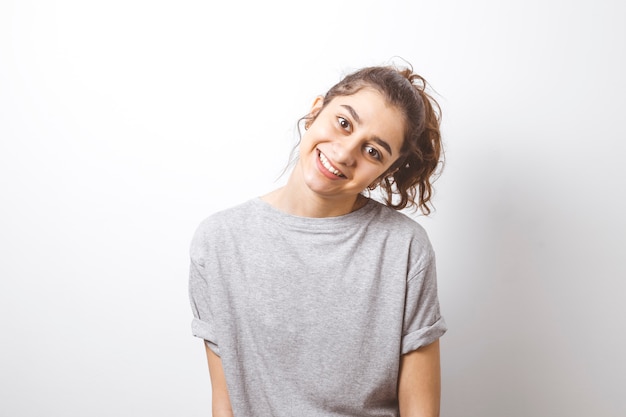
(344, 123)
(373, 152)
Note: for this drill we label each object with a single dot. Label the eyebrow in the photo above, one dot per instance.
(357, 119)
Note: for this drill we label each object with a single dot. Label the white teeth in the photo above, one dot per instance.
(328, 166)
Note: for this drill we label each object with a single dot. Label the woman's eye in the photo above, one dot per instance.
(373, 152)
(344, 123)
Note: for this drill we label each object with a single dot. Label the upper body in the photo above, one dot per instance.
(315, 300)
(310, 316)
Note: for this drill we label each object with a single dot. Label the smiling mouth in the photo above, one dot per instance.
(326, 164)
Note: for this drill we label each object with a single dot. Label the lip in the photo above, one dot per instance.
(324, 170)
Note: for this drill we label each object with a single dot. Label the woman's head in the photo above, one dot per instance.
(408, 182)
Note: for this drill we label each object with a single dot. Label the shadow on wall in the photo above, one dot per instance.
(524, 309)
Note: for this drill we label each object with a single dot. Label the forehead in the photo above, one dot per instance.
(376, 115)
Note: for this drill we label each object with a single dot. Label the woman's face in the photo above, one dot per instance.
(351, 143)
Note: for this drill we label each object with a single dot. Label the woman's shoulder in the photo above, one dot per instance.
(232, 215)
(399, 228)
(224, 220)
(399, 221)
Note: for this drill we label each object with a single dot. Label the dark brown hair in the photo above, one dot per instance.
(408, 182)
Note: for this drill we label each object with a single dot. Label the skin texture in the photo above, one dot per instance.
(419, 383)
(220, 401)
(360, 138)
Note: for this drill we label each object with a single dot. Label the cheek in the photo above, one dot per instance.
(379, 173)
(306, 142)
(321, 127)
(372, 175)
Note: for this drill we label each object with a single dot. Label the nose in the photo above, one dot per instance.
(345, 151)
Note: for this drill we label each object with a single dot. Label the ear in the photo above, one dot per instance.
(318, 103)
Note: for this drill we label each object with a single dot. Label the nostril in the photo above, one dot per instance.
(344, 155)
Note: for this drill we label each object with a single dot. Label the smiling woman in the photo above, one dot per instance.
(343, 152)
(314, 299)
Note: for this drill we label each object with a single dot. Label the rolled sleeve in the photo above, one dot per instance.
(423, 323)
(202, 324)
(424, 336)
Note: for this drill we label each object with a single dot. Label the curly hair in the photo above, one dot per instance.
(408, 182)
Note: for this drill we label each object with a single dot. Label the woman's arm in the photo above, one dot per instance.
(221, 402)
(419, 383)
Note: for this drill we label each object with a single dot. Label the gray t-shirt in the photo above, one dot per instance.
(311, 315)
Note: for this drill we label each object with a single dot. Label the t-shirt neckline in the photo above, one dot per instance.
(345, 220)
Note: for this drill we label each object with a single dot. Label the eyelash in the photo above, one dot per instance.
(371, 151)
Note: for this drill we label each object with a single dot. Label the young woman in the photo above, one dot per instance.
(316, 300)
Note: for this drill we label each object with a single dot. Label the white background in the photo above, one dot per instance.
(125, 123)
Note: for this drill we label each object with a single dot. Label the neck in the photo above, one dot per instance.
(298, 200)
